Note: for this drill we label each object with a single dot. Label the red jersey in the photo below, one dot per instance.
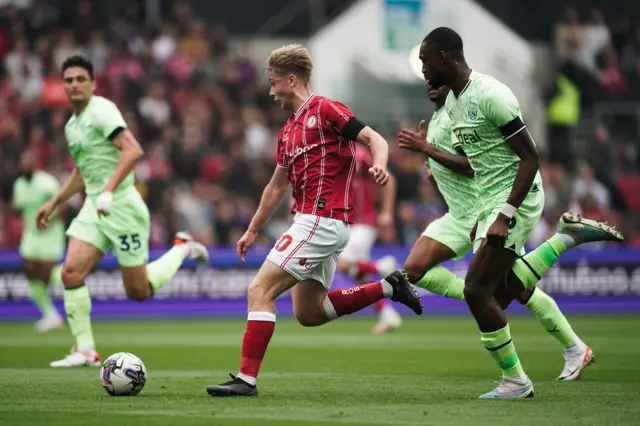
(321, 163)
(364, 190)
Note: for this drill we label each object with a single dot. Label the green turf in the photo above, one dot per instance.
(428, 373)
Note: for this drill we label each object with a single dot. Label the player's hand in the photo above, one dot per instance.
(244, 243)
(44, 213)
(385, 219)
(104, 202)
(498, 231)
(380, 174)
(412, 141)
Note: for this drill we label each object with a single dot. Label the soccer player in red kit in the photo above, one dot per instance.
(316, 156)
(355, 260)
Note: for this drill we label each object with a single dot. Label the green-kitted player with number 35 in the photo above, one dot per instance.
(113, 215)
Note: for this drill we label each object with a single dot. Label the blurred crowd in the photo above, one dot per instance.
(202, 113)
(595, 143)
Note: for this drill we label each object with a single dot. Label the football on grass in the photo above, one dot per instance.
(123, 374)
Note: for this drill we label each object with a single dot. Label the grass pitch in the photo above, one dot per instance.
(428, 373)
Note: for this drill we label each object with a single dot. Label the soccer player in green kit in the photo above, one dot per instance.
(450, 237)
(114, 214)
(492, 139)
(41, 251)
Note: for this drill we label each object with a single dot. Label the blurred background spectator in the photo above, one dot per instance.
(199, 105)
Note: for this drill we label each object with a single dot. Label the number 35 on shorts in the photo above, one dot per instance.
(130, 242)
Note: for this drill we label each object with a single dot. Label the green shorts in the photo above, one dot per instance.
(452, 232)
(45, 246)
(125, 230)
(522, 224)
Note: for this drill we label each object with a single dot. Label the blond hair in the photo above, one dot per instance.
(291, 59)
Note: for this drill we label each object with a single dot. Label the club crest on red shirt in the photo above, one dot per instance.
(312, 121)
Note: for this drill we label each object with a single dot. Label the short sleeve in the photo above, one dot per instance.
(107, 119)
(337, 114)
(499, 105)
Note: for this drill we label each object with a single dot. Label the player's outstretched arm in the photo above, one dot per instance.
(272, 195)
(380, 151)
(72, 186)
(130, 153)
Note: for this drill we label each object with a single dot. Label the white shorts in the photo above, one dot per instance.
(310, 248)
(362, 239)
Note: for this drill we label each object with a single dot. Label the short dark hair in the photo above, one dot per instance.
(444, 39)
(78, 61)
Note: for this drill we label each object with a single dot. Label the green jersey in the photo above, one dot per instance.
(95, 155)
(29, 195)
(483, 118)
(459, 191)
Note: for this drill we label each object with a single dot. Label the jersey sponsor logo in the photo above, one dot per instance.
(467, 137)
(311, 122)
(301, 150)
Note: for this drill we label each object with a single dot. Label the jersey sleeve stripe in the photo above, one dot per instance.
(282, 165)
(339, 111)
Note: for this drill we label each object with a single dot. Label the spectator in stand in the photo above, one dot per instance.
(24, 69)
(153, 107)
(614, 82)
(203, 114)
(195, 44)
(587, 189)
(595, 37)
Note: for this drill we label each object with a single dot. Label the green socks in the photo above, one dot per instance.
(164, 268)
(501, 346)
(77, 303)
(440, 280)
(40, 296)
(531, 268)
(39, 293)
(551, 318)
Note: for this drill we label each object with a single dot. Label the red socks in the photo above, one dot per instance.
(349, 300)
(260, 326)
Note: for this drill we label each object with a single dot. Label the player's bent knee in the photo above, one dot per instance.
(72, 278)
(310, 319)
(474, 292)
(256, 293)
